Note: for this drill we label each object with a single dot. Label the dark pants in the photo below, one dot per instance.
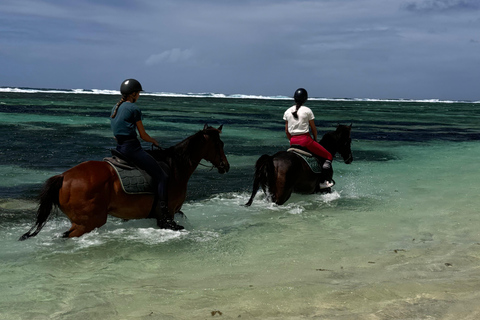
(133, 150)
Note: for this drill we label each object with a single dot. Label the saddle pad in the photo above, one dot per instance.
(310, 160)
(134, 181)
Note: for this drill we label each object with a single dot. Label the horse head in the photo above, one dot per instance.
(344, 142)
(213, 151)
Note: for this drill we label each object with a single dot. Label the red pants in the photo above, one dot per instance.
(305, 140)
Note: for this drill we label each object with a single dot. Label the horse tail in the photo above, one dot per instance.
(48, 198)
(264, 176)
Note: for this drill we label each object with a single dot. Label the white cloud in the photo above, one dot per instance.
(170, 56)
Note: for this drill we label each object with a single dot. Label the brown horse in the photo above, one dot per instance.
(286, 172)
(90, 191)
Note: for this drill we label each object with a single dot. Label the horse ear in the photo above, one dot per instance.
(205, 127)
(220, 128)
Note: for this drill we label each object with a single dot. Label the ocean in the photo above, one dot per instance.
(398, 238)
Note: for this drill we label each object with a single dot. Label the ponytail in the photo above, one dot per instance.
(124, 98)
(294, 113)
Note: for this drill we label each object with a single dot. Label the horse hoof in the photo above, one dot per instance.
(169, 224)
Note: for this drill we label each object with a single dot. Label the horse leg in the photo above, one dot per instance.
(283, 191)
(283, 197)
(87, 225)
(85, 216)
(75, 231)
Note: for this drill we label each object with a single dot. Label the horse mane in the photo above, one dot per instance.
(183, 150)
(343, 131)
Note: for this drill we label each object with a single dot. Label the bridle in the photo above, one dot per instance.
(204, 165)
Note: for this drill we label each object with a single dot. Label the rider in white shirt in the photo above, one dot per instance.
(299, 123)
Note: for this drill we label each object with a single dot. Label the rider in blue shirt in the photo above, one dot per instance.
(125, 120)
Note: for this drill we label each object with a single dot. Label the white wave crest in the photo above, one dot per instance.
(217, 95)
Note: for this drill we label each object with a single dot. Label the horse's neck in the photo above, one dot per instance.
(329, 142)
(185, 158)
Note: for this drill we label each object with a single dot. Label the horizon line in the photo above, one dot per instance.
(30, 90)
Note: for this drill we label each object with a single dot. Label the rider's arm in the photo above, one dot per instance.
(144, 135)
(289, 136)
(314, 129)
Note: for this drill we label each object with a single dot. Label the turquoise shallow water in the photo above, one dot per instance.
(397, 239)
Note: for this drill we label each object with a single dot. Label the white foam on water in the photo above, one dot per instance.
(212, 95)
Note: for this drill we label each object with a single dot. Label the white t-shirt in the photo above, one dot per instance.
(300, 125)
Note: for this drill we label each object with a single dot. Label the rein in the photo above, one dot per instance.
(184, 144)
(204, 165)
(200, 164)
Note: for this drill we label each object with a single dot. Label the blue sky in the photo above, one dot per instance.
(413, 49)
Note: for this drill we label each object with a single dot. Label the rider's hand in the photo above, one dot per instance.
(155, 143)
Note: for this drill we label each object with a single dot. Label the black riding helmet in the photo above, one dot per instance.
(130, 86)
(300, 95)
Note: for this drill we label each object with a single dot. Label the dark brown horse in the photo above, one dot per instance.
(286, 172)
(90, 191)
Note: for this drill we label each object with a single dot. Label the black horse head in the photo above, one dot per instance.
(339, 141)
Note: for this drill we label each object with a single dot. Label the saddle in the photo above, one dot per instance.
(312, 160)
(133, 179)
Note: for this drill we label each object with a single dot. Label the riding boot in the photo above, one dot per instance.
(327, 175)
(327, 165)
(326, 184)
(163, 220)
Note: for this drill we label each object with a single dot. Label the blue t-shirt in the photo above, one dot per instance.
(124, 123)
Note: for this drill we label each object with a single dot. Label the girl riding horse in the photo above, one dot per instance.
(298, 120)
(126, 120)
